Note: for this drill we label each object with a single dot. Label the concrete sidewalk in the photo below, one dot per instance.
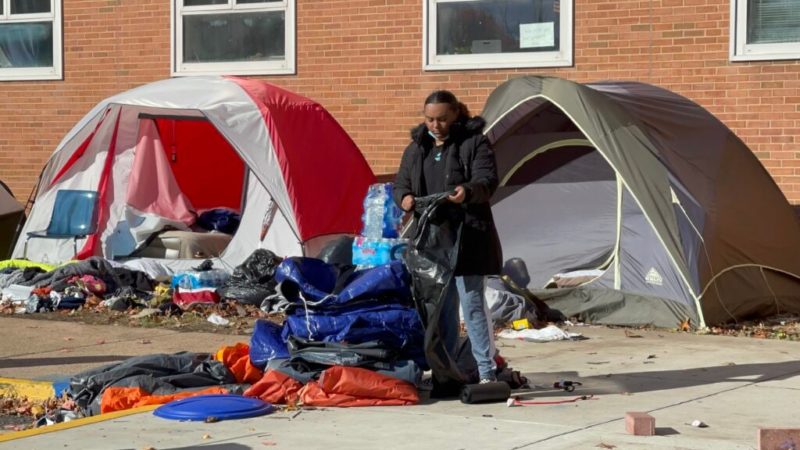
(734, 385)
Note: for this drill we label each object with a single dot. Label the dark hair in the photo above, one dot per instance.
(444, 96)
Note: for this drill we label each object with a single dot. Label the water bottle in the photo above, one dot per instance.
(392, 220)
(373, 222)
(363, 252)
(383, 251)
(375, 195)
(373, 211)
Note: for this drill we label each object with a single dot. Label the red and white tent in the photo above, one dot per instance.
(161, 153)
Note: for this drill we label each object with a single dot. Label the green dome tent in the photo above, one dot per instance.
(638, 205)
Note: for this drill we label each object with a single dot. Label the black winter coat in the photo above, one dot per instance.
(471, 164)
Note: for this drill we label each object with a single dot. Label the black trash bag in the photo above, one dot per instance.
(220, 219)
(517, 271)
(338, 251)
(431, 260)
(542, 313)
(469, 367)
(253, 280)
(306, 355)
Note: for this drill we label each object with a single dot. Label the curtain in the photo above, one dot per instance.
(26, 44)
(773, 21)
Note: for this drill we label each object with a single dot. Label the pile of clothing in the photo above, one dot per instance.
(36, 287)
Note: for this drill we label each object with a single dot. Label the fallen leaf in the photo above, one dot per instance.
(206, 436)
(685, 325)
(651, 356)
(67, 338)
(149, 448)
(69, 404)
(269, 443)
(241, 311)
(144, 341)
(604, 445)
(211, 419)
(100, 342)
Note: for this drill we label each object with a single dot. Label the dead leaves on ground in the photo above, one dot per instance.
(15, 406)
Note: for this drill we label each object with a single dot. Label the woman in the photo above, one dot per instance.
(448, 153)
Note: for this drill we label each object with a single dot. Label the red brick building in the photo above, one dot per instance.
(372, 62)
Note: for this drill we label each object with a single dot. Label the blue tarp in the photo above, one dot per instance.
(267, 344)
(367, 305)
(396, 326)
(317, 282)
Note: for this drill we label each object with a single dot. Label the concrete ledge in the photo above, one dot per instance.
(33, 390)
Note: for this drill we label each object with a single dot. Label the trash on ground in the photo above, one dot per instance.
(547, 334)
(218, 320)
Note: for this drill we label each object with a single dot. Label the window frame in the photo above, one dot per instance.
(54, 72)
(740, 50)
(431, 61)
(285, 67)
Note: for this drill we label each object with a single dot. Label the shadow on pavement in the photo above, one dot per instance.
(58, 361)
(636, 382)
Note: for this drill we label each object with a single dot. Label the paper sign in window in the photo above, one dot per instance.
(536, 35)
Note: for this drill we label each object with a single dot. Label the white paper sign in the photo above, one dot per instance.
(536, 35)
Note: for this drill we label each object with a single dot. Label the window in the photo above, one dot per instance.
(478, 34)
(233, 37)
(765, 29)
(30, 40)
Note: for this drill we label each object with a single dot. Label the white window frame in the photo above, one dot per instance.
(740, 50)
(284, 67)
(432, 61)
(53, 72)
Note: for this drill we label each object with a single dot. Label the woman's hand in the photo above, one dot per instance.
(408, 203)
(458, 195)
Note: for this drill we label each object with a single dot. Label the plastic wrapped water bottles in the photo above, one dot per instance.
(379, 243)
(368, 252)
(382, 217)
(392, 215)
(197, 279)
(373, 211)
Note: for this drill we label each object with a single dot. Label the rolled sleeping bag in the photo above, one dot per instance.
(496, 391)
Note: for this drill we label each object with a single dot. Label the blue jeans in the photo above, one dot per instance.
(468, 291)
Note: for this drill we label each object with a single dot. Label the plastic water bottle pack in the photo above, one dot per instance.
(368, 252)
(195, 279)
(382, 217)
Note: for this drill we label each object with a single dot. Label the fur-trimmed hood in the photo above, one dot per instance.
(459, 129)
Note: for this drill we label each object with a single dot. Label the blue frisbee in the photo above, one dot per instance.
(214, 407)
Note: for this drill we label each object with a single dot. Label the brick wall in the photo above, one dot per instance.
(362, 59)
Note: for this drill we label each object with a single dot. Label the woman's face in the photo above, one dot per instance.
(438, 118)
